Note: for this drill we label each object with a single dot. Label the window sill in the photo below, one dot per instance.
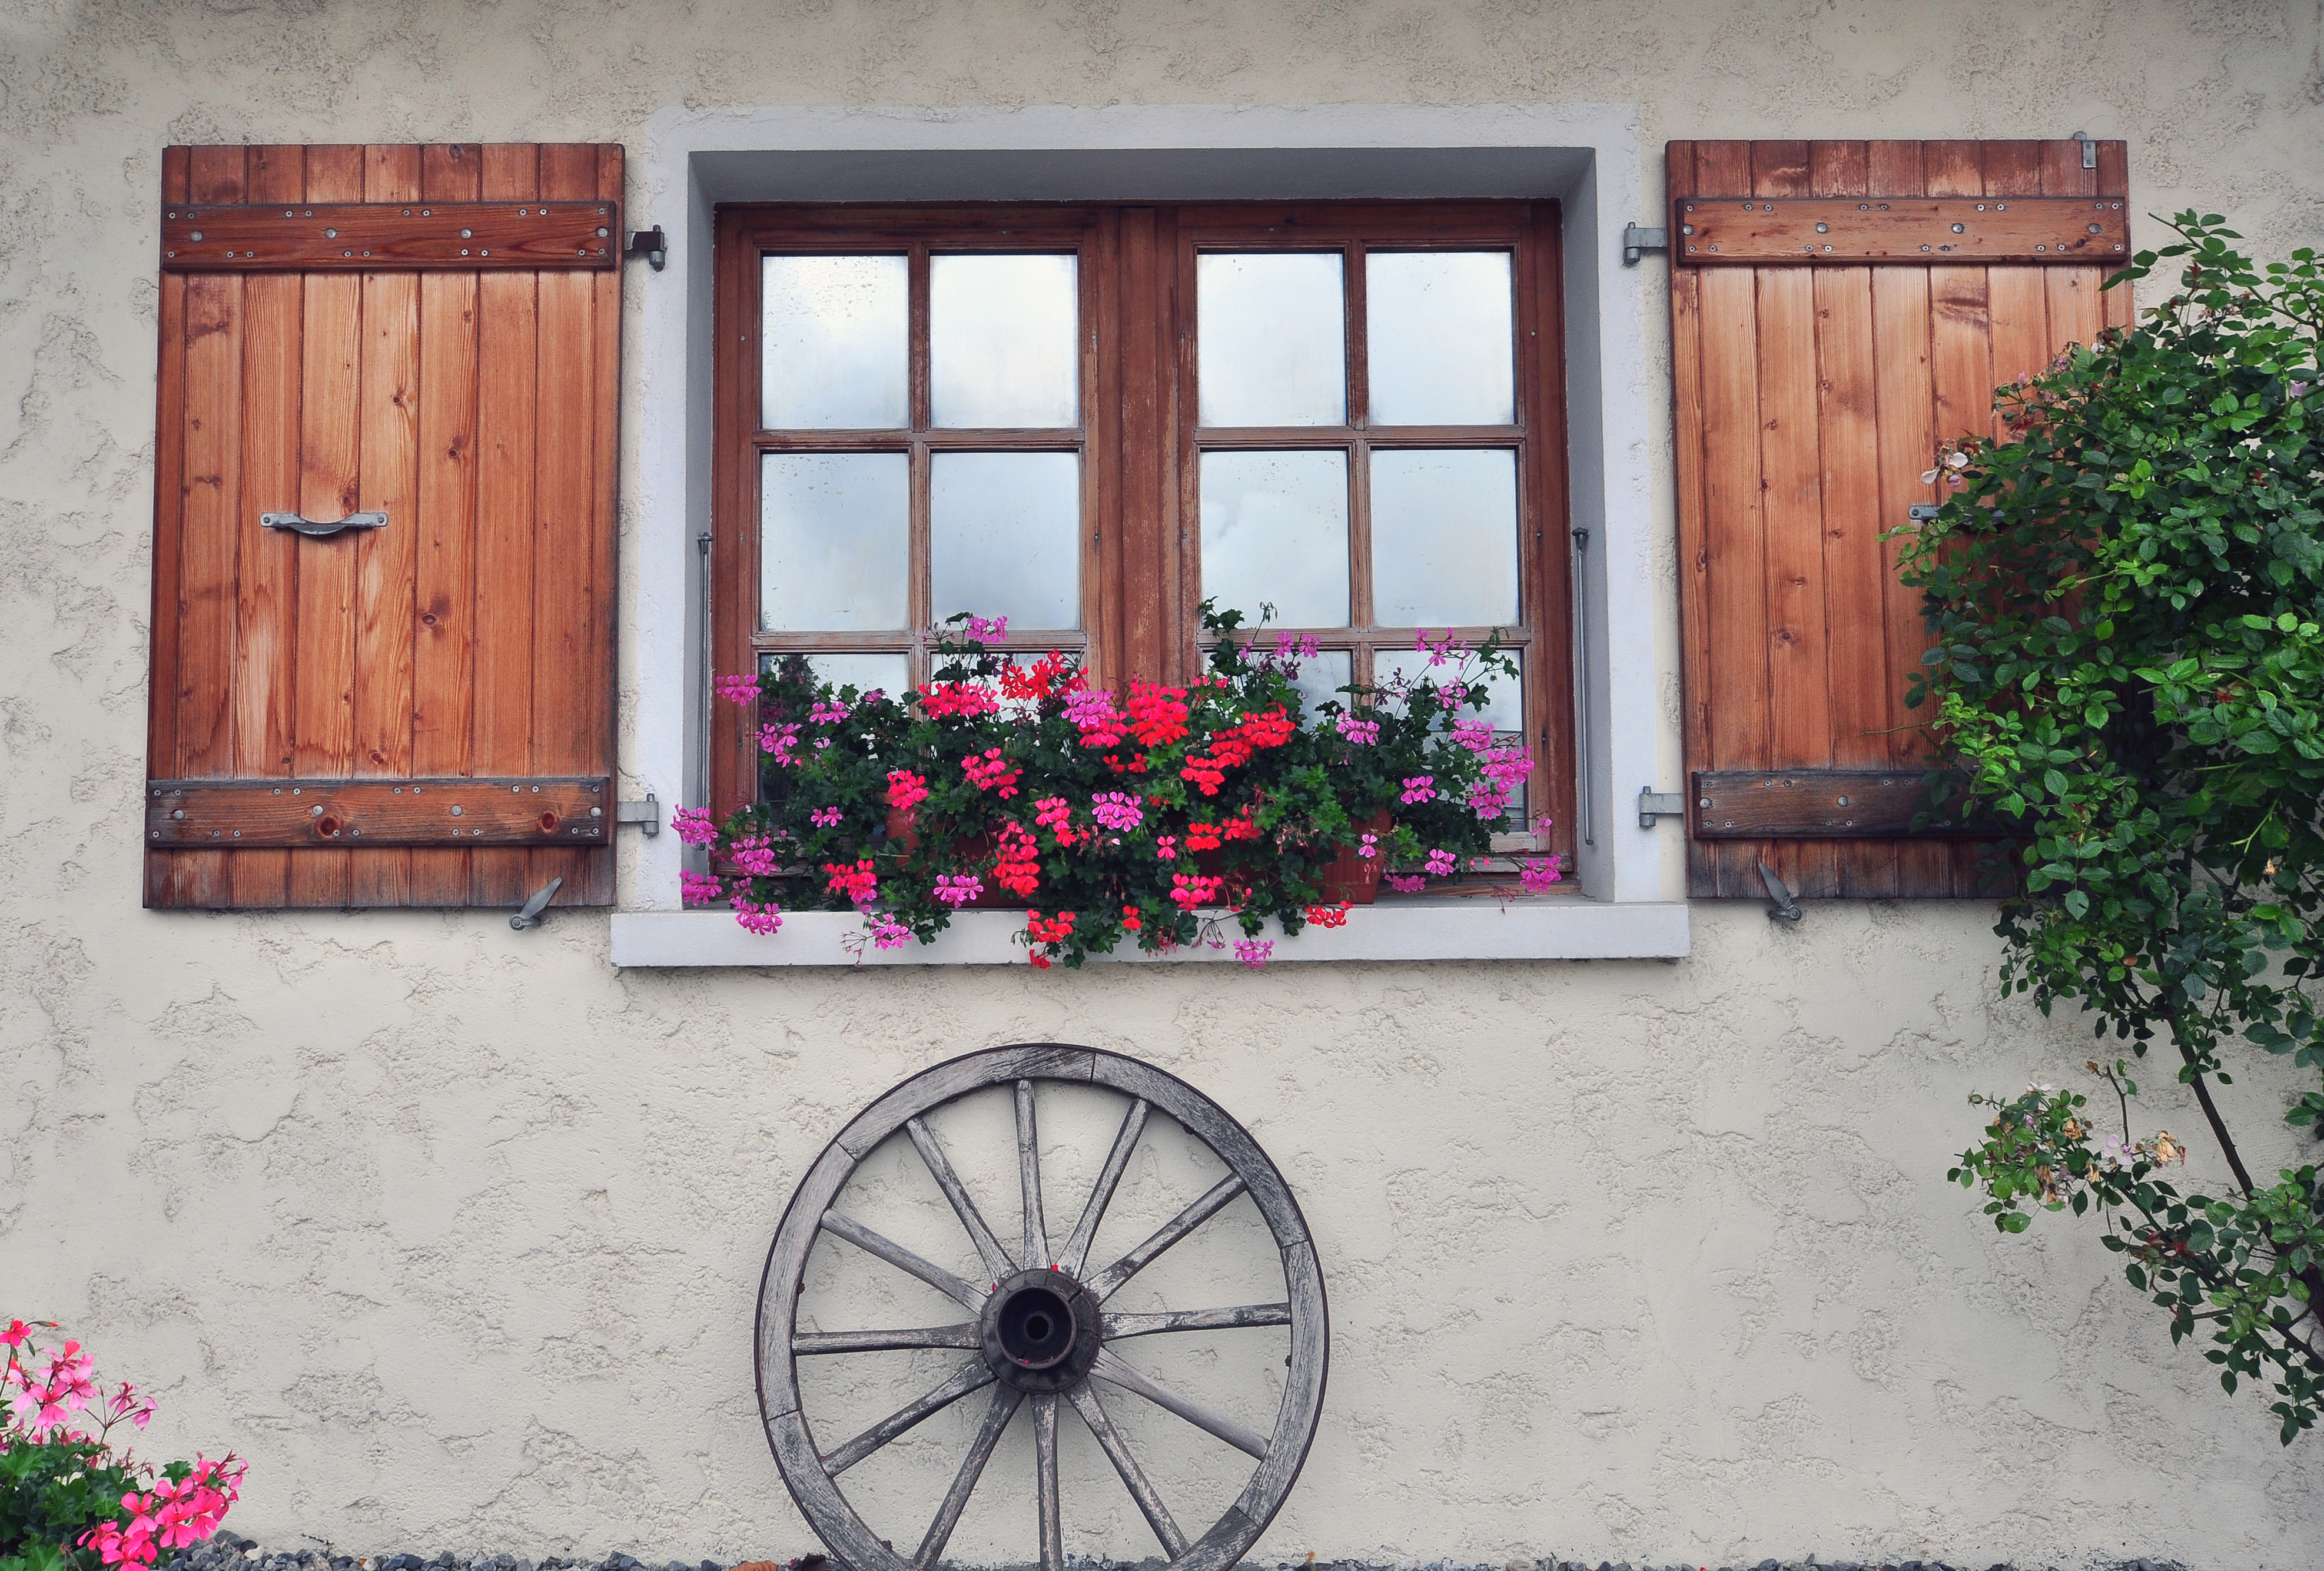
(1422, 928)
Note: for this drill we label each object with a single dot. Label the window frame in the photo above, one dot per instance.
(1140, 566)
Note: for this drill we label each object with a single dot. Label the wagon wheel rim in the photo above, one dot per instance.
(1011, 1363)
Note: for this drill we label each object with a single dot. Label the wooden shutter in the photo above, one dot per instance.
(419, 714)
(1816, 371)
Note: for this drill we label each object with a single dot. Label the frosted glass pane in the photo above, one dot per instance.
(1275, 531)
(1003, 341)
(833, 533)
(1505, 707)
(887, 673)
(1445, 539)
(834, 343)
(1005, 537)
(1273, 349)
(1443, 341)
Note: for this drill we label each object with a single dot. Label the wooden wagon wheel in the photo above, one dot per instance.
(1040, 1334)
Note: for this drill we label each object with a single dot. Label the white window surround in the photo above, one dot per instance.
(1587, 156)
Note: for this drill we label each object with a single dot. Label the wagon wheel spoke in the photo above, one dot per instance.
(903, 1258)
(1044, 1458)
(1102, 1285)
(812, 1342)
(996, 1259)
(1133, 1477)
(970, 1377)
(1029, 1176)
(963, 1482)
(1110, 1367)
(1077, 1251)
(1118, 1327)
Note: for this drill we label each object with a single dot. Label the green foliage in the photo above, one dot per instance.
(2128, 602)
(51, 1492)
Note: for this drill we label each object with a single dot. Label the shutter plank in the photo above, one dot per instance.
(1699, 680)
(1960, 359)
(2075, 314)
(564, 709)
(603, 557)
(1738, 585)
(443, 656)
(1855, 569)
(267, 584)
(1791, 483)
(385, 560)
(169, 517)
(206, 546)
(2017, 294)
(330, 450)
(2114, 181)
(508, 337)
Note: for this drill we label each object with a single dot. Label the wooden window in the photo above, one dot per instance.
(417, 710)
(1090, 418)
(1840, 309)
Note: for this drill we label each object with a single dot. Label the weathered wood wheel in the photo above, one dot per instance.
(1040, 1335)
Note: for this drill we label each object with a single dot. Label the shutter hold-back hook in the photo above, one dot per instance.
(530, 917)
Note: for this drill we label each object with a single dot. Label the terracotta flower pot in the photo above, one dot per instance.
(1353, 879)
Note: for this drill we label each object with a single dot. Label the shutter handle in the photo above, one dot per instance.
(318, 529)
(530, 917)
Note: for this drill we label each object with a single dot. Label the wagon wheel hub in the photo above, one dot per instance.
(1040, 1330)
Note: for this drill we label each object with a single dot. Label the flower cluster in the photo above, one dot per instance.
(956, 889)
(123, 1511)
(989, 772)
(1162, 813)
(1255, 952)
(698, 889)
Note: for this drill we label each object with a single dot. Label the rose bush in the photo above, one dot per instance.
(1157, 813)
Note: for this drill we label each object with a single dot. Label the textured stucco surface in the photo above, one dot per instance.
(456, 1232)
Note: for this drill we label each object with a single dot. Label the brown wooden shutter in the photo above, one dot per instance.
(419, 714)
(1816, 370)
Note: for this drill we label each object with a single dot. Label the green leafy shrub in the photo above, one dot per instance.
(2128, 600)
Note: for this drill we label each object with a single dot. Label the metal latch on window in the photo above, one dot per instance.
(1652, 805)
(646, 815)
(1635, 240)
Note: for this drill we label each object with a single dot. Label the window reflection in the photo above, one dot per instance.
(834, 343)
(1273, 349)
(1442, 338)
(1444, 538)
(1004, 341)
(833, 532)
(1275, 530)
(1005, 537)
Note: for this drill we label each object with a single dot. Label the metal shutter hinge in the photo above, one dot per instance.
(2089, 150)
(1635, 240)
(649, 244)
(1652, 805)
(646, 815)
(1923, 512)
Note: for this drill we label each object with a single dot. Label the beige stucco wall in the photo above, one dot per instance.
(456, 1232)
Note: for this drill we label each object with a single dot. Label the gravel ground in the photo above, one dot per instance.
(229, 1552)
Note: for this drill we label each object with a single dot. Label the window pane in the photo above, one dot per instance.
(834, 531)
(1003, 340)
(834, 343)
(1275, 531)
(1005, 537)
(1323, 677)
(1445, 539)
(1505, 707)
(887, 673)
(1273, 349)
(1443, 342)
